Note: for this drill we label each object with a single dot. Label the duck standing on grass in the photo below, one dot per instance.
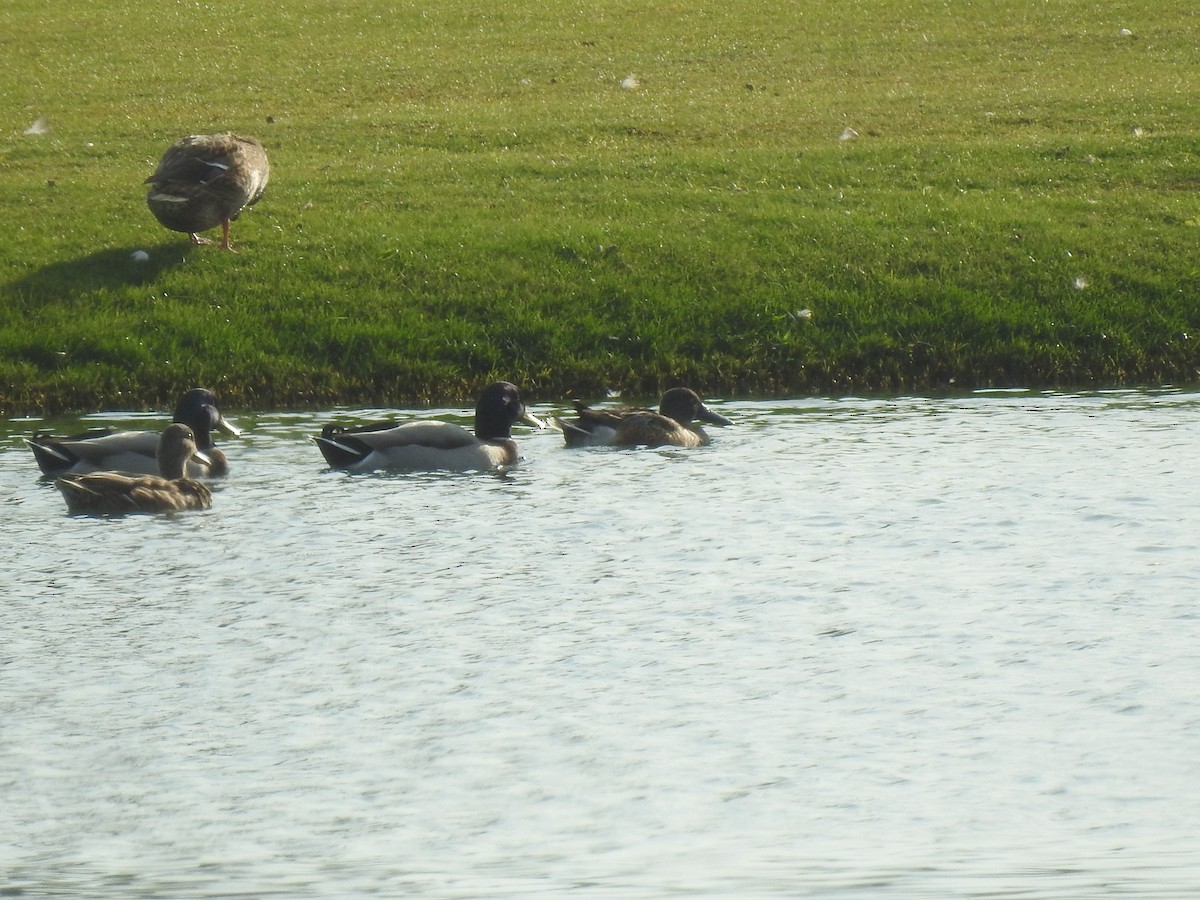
(672, 426)
(430, 444)
(206, 180)
(107, 449)
(117, 492)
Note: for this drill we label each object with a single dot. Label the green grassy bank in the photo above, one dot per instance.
(578, 197)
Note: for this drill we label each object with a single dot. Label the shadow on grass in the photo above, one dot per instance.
(105, 269)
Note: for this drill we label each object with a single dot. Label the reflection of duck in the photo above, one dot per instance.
(673, 424)
(116, 492)
(206, 180)
(136, 452)
(429, 444)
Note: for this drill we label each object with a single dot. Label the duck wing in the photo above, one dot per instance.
(654, 430)
(101, 450)
(117, 492)
(596, 427)
(410, 445)
(150, 494)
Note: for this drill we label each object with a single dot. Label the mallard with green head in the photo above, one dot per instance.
(674, 425)
(431, 444)
(108, 449)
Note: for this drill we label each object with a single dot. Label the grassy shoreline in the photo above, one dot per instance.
(461, 195)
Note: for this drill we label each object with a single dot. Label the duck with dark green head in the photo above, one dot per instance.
(107, 449)
(431, 444)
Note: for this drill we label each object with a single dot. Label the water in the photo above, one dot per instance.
(854, 649)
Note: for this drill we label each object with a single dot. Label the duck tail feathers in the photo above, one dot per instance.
(341, 452)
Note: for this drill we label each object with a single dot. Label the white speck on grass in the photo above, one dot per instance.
(630, 82)
(848, 134)
(1080, 282)
(39, 126)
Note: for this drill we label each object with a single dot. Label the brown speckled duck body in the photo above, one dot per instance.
(674, 425)
(206, 180)
(118, 492)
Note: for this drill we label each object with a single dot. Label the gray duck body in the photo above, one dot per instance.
(136, 452)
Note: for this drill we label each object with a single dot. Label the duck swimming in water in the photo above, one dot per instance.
(430, 444)
(107, 449)
(672, 426)
(118, 492)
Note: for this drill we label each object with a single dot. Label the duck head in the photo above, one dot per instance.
(685, 406)
(498, 409)
(198, 409)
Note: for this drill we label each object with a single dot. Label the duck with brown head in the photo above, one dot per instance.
(674, 425)
(118, 492)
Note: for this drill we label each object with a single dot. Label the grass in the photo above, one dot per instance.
(461, 194)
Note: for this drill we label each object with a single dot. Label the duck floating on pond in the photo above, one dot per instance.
(430, 444)
(118, 492)
(136, 452)
(674, 425)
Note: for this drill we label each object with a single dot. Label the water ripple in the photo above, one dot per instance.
(857, 648)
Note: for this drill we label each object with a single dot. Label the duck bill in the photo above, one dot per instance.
(530, 419)
(228, 427)
(712, 418)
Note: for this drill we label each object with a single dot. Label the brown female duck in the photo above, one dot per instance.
(672, 426)
(117, 492)
(206, 180)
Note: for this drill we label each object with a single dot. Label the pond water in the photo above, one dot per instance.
(857, 648)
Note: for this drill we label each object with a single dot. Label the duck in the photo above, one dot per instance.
(428, 445)
(136, 452)
(673, 425)
(119, 492)
(206, 180)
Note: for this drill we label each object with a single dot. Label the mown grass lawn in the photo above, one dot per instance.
(752, 198)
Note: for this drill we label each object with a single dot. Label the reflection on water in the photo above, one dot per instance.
(856, 648)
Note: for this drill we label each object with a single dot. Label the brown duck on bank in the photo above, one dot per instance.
(206, 180)
(116, 492)
(672, 426)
